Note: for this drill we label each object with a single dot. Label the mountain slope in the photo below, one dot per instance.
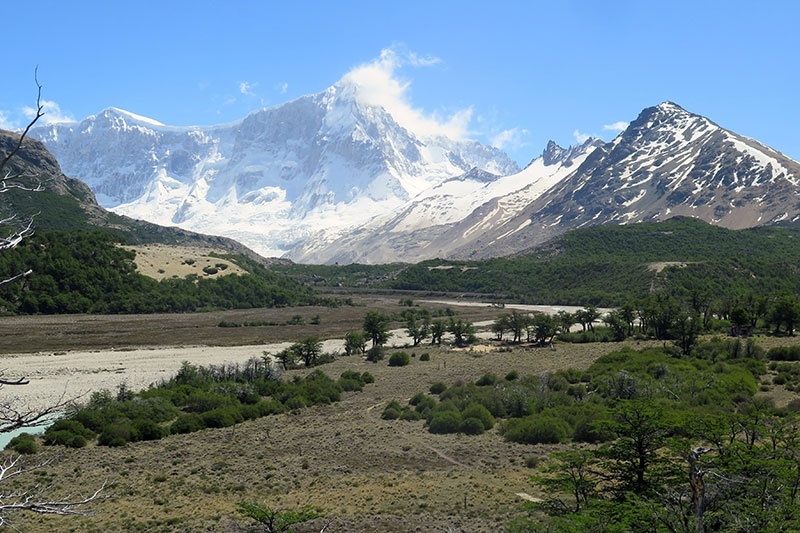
(667, 162)
(68, 204)
(271, 180)
(422, 228)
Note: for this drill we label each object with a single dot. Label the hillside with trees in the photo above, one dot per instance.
(86, 272)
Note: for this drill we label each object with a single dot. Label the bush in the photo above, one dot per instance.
(117, 434)
(69, 433)
(471, 426)
(486, 380)
(425, 357)
(148, 430)
(536, 430)
(187, 423)
(784, 353)
(399, 359)
(512, 376)
(350, 385)
(392, 411)
(438, 388)
(24, 444)
(367, 378)
(221, 417)
(375, 354)
(445, 422)
(476, 410)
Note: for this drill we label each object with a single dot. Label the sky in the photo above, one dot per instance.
(513, 74)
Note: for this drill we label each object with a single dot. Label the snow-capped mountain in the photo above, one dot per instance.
(668, 162)
(323, 163)
(331, 178)
(421, 228)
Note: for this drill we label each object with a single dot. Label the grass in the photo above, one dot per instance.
(359, 471)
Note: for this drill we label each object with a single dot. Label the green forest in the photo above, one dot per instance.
(86, 272)
(605, 266)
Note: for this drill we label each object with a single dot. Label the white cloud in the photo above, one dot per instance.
(617, 126)
(511, 138)
(283, 88)
(5, 122)
(52, 113)
(246, 88)
(377, 83)
(581, 137)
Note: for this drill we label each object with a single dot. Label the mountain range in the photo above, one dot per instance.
(330, 178)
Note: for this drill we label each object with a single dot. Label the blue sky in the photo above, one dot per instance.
(515, 74)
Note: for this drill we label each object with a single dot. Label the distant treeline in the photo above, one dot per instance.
(86, 272)
(605, 266)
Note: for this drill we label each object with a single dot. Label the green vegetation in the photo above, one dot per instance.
(196, 398)
(399, 359)
(85, 272)
(656, 439)
(274, 521)
(603, 265)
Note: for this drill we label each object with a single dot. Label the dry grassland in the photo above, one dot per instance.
(363, 473)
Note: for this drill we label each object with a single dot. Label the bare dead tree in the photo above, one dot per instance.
(14, 414)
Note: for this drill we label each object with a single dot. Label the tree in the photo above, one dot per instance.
(286, 357)
(13, 415)
(462, 330)
(275, 521)
(618, 325)
(500, 326)
(542, 328)
(565, 321)
(355, 343)
(517, 323)
(417, 330)
(571, 472)
(308, 349)
(785, 311)
(376, 327)
(641, 431)
(437, 330)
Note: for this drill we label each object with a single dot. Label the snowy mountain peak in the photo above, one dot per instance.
(554, 154)
(272, 180)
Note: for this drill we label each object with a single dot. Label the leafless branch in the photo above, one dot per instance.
(39, 114)
(29, 501)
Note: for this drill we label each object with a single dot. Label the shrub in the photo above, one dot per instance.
(410, 415)
(536, 430)
(392, 411)
(478, 411)
(117, 434)
(351, 385)
(399, 359)
(438, 388)
(375, 354)
(187, 423)
(69, 433)
(24, 444)
(512, 376)
(471, 426)
(296, 402)
(425, 357)
(147, 429)
(445, 422)
(221, 417)
(486, 380)
(366, 378)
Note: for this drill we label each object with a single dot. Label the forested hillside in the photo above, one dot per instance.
(605, 266)
(86, 272)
